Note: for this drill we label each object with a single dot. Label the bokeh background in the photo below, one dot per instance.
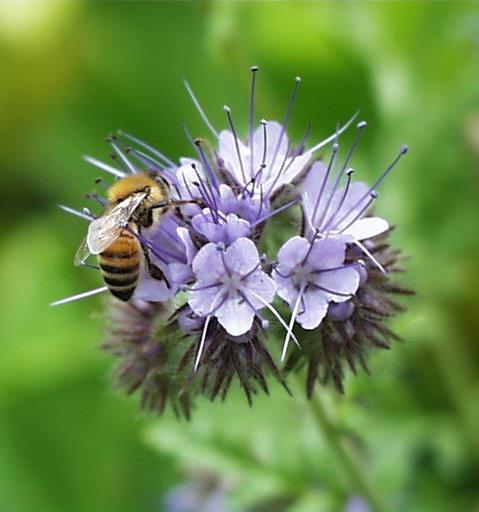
(71, 72)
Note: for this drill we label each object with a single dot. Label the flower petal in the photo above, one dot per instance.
(292, 253)
(366, 228)
(327, 253)
(286, 289)
(242, 256)
(313, 309)
(344, 281)
(236, 316)
(228, 153)
(261, 284)
(235, 228)
(203, 301)
(190, 248)
(208, 264)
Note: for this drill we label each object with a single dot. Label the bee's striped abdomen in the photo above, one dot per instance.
(120, 265)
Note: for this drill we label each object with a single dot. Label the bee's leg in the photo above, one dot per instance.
(154, 271)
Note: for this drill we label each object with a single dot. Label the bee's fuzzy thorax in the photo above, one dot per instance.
(131, 184)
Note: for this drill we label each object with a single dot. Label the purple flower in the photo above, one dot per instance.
(332, 210)
(267, 162)
(230, 285)
(314, 274)
(225, 229)
(310, 275)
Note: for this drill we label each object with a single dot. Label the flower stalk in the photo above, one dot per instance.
(345, 457)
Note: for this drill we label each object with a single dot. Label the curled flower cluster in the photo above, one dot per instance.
(326, 285)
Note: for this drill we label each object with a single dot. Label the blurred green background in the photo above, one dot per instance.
(71, 72)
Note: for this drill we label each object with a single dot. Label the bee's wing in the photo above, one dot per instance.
(82, 253)
(103, 231)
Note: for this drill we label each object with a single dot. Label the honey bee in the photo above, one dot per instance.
(135, 202)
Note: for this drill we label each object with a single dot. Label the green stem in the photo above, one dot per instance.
(345, 456)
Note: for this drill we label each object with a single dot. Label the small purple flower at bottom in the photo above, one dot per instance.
(230, 286)
(310, 275)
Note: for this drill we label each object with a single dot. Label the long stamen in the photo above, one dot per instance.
(332, 269)
(373, 197)
(104, 167)
(262, 166)
(274, 212)
(334, 136)
(122, 156)
(349, 173)
(261, 203)
(205, 192)
(214, 308)
(236, 140)
(334, 152)
(200, 110)
(402, 151)
(294, 314)
(370, 256)
(86, 214)
(287, 116)
(264, 322)
(185, 183)
(211, 173)
(281, 171)
(253, 70)
(360, 127)
(202, 343)
(79, 296)
(327, 290)
(144, 145)
(302, 143)
(95, 197)
(205, 185)
(144, 158)
(359, 130)
(275, 313)
(264, 124)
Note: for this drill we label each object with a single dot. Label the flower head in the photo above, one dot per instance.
(202, 262)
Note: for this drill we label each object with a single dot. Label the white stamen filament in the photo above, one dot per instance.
(332, 137)
(200, 109)
(104, 167)
(275, 313)
(370, 256)
(83, 215)
(146, 146)
(294, 314)
(123, 158)
(202, 343)
(80, 296)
